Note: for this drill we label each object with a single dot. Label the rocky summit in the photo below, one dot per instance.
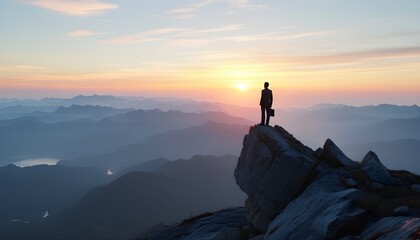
(297, 193)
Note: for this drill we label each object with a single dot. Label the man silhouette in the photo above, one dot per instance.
(266, 102)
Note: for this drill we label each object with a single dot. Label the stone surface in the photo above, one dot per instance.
(377, 171)
(273, 169)
(223, 225)
(401, 210)
(259, 237)
(392, 228)
(334, 157)
(415, 187)
(351, 182)
(323, 211)
(376, 185)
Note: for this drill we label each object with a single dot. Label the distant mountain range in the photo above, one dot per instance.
(138, 201)
(28, 137)
(348, 125)
(209, 138)
(120, 172)
(163, 103)
(397, 154)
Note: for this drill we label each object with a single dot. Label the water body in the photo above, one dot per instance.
(36, 161)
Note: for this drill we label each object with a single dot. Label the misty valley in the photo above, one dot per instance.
(107, 167)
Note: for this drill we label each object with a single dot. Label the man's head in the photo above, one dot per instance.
(266, 84)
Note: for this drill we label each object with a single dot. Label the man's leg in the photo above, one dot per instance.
(267, 110)
(262, 115)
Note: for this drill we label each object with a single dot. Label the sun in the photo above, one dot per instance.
(241, 86)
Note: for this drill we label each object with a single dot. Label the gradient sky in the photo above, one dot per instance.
(339, 51)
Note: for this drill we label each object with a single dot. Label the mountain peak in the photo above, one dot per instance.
(297, 193)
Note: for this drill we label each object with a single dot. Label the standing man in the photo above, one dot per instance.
(266, 102)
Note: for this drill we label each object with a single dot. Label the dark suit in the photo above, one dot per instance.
(266, 102)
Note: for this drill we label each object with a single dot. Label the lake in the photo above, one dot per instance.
(36, 161)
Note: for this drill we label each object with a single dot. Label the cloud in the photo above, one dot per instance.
(400, 34)
(276, 36)
(172, 35)
(226, 28)
(130, 39)
(402, 52)
(74, 7)
(184, 16)
(189, 10)
(147, 36)
(82, 33)
(21, 67)
(349, 57)
(163, 31)
(189, 42)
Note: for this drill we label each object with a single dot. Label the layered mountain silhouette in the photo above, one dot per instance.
(209, 138)
(120, 175)
(136, 202)
(28, 192)
(397, 154)
(297, 193)
(28, 137)
(353, 125)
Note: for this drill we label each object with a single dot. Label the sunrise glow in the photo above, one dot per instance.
(179, 49)
(241, 86)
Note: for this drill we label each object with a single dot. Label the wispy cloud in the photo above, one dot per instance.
(129, 39)
(401, 34)
(74, 7)
(184, 16)
(174, 36)
(188, 11)
(147, 36)
(189, 42)
(384, 53)
(349, 57)
(163, 31)
(225, 28)
(82, 33)
(276, 36)
(21, 68)
(192, 7)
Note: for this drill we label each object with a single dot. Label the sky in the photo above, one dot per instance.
(315, 51)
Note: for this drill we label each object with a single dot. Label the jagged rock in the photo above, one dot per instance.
(259, 237)
(224, 225)
(323, 211)
(377, 171)
(334, 157)
(415, 187)
(273, 169)
(350, 182)
(401, 210)
(376, 185)
(391, 228)
(295, 193)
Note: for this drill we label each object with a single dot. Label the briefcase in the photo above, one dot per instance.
(271, 112)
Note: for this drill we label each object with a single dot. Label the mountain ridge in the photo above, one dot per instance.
(296, 193)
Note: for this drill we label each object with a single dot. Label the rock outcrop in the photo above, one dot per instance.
(273, 169)
(297, 193)
(226, 224)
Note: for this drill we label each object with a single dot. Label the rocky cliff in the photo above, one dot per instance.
(297, 193)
